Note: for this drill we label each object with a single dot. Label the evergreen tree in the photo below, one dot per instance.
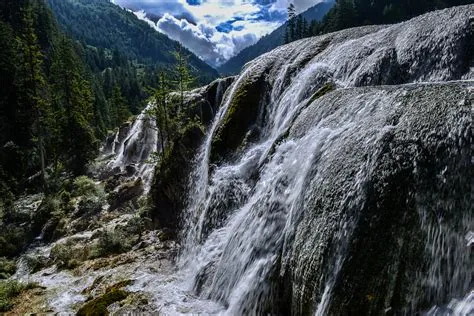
(119, 109)
(184, 80)
(34, 107)
(291, 22)
(286, 39)
(160, 111)
(73, 101)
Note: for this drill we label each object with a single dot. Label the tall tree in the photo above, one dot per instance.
(291, 22)
(73, 97)
(118, 105)
(184, 79)
(34, 107)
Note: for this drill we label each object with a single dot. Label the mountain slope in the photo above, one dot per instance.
(272, 40)
(103, 24)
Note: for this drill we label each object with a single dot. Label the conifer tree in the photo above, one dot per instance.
(119, 109)
(184, 80)
(291, 27)
(34, 107)
(73, 99)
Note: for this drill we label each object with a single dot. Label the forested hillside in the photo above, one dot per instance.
(104, 25)
(60, 97)
(273, 40)
(349, 13)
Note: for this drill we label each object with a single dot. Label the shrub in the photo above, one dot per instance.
(84, 186)
(8, 291)
(12, 240)
(111, 242)
(90, 206)
(69, 255)
(7, 268)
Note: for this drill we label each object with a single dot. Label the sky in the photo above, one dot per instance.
(215, 30)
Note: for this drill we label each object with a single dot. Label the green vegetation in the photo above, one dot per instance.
(171, 112)
(9, 290)
(7, 268)
(98, 305)
(60, 97)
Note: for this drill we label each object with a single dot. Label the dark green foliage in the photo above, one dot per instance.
(7, 268)
(73, 108)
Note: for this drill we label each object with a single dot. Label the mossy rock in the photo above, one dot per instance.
(169, 188)
(328, 87)
(98, 305)
(241, 115)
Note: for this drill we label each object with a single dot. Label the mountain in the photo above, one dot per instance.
(102, 24)
(272, 40)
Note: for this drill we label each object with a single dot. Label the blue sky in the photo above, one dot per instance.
(215, 30)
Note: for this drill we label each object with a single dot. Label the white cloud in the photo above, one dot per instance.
(196, 26)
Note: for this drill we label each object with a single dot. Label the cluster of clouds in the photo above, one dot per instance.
(215, 30)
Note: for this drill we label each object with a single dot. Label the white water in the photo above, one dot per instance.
(136, 147)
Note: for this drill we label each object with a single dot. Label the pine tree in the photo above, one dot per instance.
(291, 26)
(286, 39)
(160, 112)
(73, 100)
(299, 27)
(119, 112)
(184, 80)
(305, 32)
(34, 107)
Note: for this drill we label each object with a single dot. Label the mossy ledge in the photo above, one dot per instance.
(170, 180)
(241, 115)
(98, 305)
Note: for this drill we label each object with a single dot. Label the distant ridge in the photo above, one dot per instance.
(271, 41)
(102, 24)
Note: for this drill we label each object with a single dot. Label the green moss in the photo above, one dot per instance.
(98, 305)
(241, 115)
(328, 87)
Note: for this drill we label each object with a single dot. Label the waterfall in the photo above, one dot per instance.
(283, 226)
(134, 147)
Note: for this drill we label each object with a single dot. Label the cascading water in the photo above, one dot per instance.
(135, 147)
(278, 227)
